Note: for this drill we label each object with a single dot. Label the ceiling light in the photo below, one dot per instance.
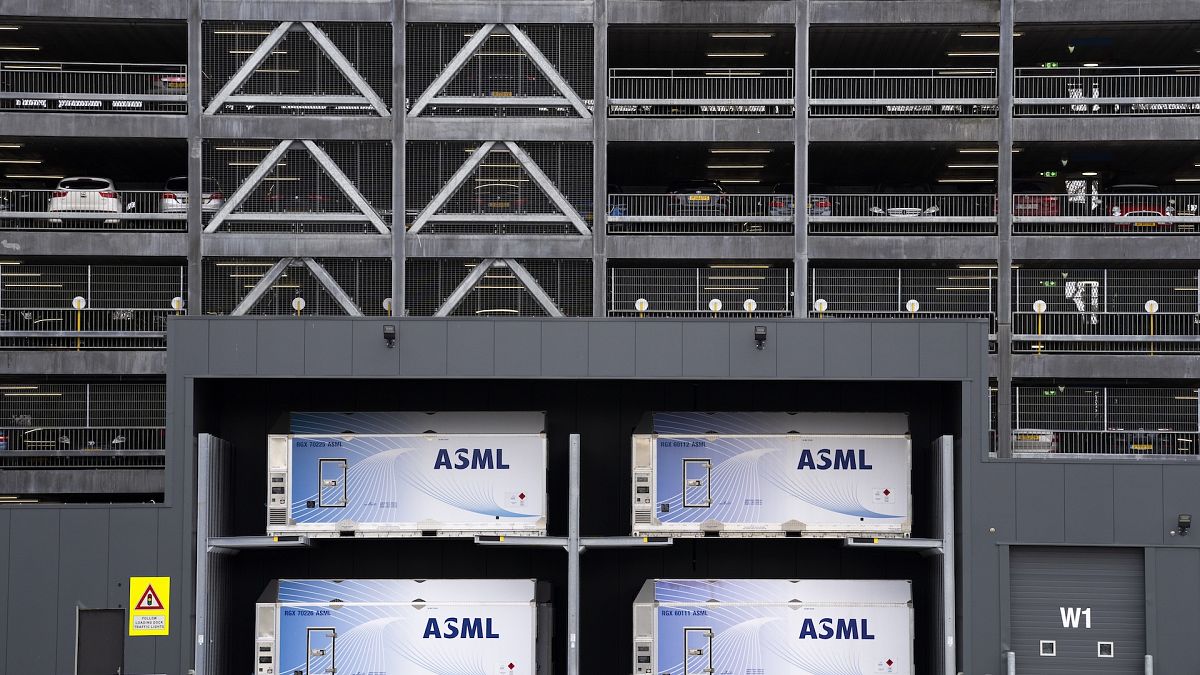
(742, 35)
(251, 51)
(753, 181)
(33, 285)
(282, 178)
(496, 311)
(13, 146)
(33, 393)
(494, 179)
(10, 262)
(21, 274)
(33, 175)
(23, 66)
(1090, 173)
(1187, 180)
(984, 151)
(10, 28)
(20, 48)
(1091, 65)
(985, 34)
(738, 267)
(19, 386)
(971, 166)
(20, 161)
(277, 70)
(966, 180)
(736, 166)
(251, 163)
(740, 151)
(735, 55)
(972, 53)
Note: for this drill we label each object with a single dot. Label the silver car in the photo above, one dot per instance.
(175, 196)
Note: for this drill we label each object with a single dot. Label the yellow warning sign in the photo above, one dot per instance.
(149, 600)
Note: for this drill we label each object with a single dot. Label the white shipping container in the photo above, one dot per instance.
(772, 474)
(403, 627)
(773, 627)
(437, 481)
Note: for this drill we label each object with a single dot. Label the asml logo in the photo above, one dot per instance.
(460, 627)
(848, 459)
(835, 629)
(467, 458)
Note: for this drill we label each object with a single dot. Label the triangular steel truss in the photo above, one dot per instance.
(568, 212)
(365, 212)
(431, 95)
(228, 93)
(468, 284)
(318, 272)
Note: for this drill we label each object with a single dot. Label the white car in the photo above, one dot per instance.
(86, 195)
(175, 196)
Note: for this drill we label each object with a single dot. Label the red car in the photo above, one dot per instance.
(1034, 199)
(1143, 203)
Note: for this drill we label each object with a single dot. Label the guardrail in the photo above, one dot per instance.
(1043, 442)
(93, 87)
(62, 441)
(1106, 332)
(903, 214)
(687, 291)
(715, 213)
(903, 92)
(39, 210)
(1155, 90)
(1149, 213)
(91, 328)
(702, 92)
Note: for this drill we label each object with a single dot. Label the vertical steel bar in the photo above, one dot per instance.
(800, 148)
(600, 94)
(399, 172)
(573, 551)
(1004, 223)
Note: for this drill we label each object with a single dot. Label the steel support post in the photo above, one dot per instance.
(800, 180)
(1004, 236)
(600, 158)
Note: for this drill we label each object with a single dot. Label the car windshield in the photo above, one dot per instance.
(697, 186)
(177, 185)
(1133, 189)
(85, 184)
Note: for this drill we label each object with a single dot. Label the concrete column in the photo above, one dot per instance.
(800, 149)
(1004, 236)
(600, 159)
(399, 31)
(194, 164)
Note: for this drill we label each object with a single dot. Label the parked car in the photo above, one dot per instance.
(698, 198)
(304, 196)
(905, 200)
(1139, 201)
(499, 198)
(1031, 198)
(783, 200)
(616, 207)
(175, 196)
(80, 194)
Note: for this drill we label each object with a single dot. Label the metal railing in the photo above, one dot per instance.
(141, 210)
(79, 441)
(688, 291)
(93, 87)
(902, 214)
(1150, 213)
(90, 328)
(903, 92)
(702, 92)
(1154, 90)
(1108, 332)
(686, 213)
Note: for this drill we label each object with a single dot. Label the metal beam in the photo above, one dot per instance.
(503, 100)
(297, 99)
(456, 64)
(548, 187)
(495, 218)
(235, 200)
(346, 186)
(452, 185)
(332, 286)
(465, 287)
(261, 287)
(534, 288)
(286, 217)
(248, 67)
(547, 69)
(346, 68)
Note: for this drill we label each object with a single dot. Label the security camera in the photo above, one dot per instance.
(389, 335)
(760, 336)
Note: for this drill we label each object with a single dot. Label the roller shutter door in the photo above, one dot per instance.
(1073, 602)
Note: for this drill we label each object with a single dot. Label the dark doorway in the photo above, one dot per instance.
(101, 646)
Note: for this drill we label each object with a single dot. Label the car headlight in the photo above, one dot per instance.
(1116, 211)
(876, 211)
(1170, 210)
(932, 210)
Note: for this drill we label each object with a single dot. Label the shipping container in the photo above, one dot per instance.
(773, 627)
(403, 627)
(772, 474)
(408, 474)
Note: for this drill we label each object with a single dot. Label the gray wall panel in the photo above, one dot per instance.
(706, 349)
(1089, 503)
(470, 347)
(1180, 495)
(745, 360)
(1175, 612)
(658, 353)
(280, 346)
(82, 571)
(943, 350)
(133, 552)
(423, 348)
(371, 354)
(1039, 502)
(608, 353)
(328, 347)
(189, 341)
(5, 580)
(801, 350)
(232, 346)
(895, 350)
(847, 346)
(1138, 513)
(33, 598)
(564, 348)
(518, 348)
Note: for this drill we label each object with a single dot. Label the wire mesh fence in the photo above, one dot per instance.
(500, 79)
(124, 306)
(1154, 90)
(499, 195)
(227, 281)
(40, 86)
(694, 213)
(430, 283)
(690, 291)
(301, 193)
(1142, 210)
(701, 92)
(298, 77)
(39, 418)
(903, 92)
(878, 292)
(91, 208)
(887, 213)
(1106, 310)
(1086, 420)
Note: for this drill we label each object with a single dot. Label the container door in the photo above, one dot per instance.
(333, 482)
(697, 651)
(322, 652)
(697, 483)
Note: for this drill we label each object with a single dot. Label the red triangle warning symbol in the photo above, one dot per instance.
(149, 600)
